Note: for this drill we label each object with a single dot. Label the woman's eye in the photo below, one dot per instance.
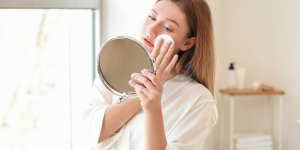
(151, 17)
(168, 29)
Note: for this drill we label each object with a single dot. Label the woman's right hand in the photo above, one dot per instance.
(164, 63)
(150, 93)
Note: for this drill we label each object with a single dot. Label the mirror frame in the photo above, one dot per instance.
(123, 95)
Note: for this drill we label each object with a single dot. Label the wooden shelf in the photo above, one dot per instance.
(250, 92)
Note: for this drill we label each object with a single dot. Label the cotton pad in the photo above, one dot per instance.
(166, 39)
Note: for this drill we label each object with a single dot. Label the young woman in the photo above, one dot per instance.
(176, 107)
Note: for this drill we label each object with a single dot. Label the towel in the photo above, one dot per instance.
(266, 143)
(260, 148)
(253, 139)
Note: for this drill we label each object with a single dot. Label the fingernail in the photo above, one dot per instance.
(172, 46)
(143, 71)
(169, 42)
(130, 81)
(133, 75)
(159, 39)
(176, 56)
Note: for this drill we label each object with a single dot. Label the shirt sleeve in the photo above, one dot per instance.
(93, 116)
(191, 132)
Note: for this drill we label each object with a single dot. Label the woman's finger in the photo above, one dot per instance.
(138, 87)
(152, 78)
(148, 70)
(162, 53)
(141, 95)
(172, 63)
(156, 50)
(143, 76)
(166, 59)
(137, 82)
(144, 80)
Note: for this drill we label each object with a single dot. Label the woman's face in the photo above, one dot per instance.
(166, 18)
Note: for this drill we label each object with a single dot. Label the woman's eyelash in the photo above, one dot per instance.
(168, 29)
(151, 17)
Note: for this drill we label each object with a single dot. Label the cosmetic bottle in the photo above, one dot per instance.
(231, 78)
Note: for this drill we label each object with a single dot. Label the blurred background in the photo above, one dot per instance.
(48, 54)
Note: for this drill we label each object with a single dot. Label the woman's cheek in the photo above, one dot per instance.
(144, 28)
(146, 24)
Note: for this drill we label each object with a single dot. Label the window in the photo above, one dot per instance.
(46, 71)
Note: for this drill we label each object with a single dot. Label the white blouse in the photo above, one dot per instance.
(187, 108)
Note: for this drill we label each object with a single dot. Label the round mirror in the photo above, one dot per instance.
(117, 60)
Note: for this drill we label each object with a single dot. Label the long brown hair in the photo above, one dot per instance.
(199, 61)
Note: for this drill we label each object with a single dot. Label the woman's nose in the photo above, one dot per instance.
(152, 30)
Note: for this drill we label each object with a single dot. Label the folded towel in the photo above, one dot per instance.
(253, 139)
(266, 143)
(243, 135)
(261, 148)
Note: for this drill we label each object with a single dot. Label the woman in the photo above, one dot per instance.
(176, 107)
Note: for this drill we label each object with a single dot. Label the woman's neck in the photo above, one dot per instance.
(172, 74)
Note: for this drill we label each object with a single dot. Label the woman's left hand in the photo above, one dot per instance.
(150, 92)
(151, 88)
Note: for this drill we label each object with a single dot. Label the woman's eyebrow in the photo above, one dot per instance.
(166, 18)
(154, 11)
(172, 21)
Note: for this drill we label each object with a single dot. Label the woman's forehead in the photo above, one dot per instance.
(168, 9)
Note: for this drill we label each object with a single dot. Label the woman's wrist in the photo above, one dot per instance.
(152, 109)
(135, 102)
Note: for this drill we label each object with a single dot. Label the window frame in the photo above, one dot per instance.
(53, 4)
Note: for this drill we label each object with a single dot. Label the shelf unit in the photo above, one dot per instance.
(250, 92)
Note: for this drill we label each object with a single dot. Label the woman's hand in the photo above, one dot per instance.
(150, 92)
(162, 57)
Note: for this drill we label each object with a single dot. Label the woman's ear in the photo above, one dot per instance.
(188, 44)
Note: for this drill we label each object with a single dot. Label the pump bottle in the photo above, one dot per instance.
(231, 79)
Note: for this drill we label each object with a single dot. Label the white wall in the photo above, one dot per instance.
(262, 36)
(123, 17)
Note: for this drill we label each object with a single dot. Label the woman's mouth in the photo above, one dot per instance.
(148, 43)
